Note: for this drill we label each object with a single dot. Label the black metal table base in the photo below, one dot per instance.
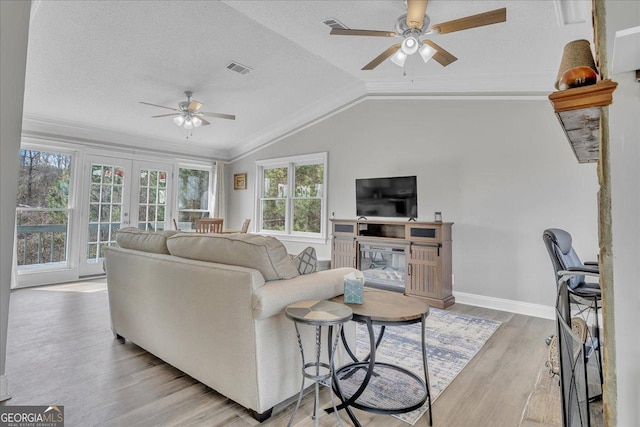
(369, 363)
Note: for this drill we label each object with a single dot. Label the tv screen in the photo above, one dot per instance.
(387, 197)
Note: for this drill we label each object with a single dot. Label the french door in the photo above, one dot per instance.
(118, 193)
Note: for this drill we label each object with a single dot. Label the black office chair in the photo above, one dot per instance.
(571, 273)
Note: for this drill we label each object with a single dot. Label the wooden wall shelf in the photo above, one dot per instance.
(578, 111)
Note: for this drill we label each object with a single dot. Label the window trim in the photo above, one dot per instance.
(70, 264)
(290, 162)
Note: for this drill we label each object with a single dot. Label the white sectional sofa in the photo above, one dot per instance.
(212, 306)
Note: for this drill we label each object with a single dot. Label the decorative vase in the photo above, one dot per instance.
(576, 77)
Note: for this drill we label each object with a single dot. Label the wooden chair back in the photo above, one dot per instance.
(209, 225)
(245, 226)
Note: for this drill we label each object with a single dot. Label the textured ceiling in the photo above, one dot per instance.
(90, 63)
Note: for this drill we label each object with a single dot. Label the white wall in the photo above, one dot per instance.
(501, 170)
(14, 30)
(624, 120)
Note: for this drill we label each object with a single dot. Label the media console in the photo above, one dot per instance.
(417, 252)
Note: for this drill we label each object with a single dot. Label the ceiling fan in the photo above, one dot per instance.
(188, 113)
(415, 24)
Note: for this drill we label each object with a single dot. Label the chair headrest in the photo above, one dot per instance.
(561, 238)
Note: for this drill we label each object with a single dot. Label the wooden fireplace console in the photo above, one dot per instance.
(427, 249)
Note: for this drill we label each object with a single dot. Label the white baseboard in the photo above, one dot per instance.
(526, 308)
(4, 388)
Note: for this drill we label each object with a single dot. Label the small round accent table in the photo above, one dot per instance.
(383, 308)
(318, 314)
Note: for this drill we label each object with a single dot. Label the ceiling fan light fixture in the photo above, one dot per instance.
(409, 45)
(196, 121)
(178, 120)
(427, 52)
(188, 124)
(399, 58)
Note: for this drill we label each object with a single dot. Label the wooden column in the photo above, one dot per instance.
(609, 392)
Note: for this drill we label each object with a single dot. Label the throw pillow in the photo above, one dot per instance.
(306, 261)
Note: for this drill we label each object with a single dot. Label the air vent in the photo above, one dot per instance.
(239, 68)
(334, 23)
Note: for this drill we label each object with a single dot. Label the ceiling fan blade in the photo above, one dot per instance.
(473, 21)
(195, 105)
(415, 13)
(372, 33)
(167, 115)
(156, 105)
(380, 58)
(218, 115)
(204, 122)
(442, 55)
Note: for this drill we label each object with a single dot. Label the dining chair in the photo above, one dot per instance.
(245, 225)
(209, 225)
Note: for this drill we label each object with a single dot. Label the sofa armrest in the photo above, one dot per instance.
(276, 295)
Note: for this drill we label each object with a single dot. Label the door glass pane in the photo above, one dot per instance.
(104, 215)
(42, 209)
(150, 203)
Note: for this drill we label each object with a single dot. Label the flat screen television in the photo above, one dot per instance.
(387, 197)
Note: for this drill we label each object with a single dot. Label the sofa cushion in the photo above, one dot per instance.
(146, 241)
(264, 253)
(306, 261)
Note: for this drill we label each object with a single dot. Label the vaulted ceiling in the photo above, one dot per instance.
(91, 62)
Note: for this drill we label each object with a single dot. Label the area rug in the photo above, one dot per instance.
(452, 339)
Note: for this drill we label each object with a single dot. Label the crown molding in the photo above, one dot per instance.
(491, 88)
(45, 128)
(316, 112)
(328, 107)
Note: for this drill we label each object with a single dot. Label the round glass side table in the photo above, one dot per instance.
(318, 314)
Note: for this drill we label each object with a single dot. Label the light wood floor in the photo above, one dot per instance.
(61, 351)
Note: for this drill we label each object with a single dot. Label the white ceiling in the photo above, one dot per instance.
(90, 63)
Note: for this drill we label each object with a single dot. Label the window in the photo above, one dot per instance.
(43, 209)
(194, 189)
(291, 195)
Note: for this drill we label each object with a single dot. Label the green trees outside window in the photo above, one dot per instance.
(42, 207)
(307, 198)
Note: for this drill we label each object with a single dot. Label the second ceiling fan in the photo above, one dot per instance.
(188, 113)
(415, 24)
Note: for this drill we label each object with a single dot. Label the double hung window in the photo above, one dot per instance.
(291, 197)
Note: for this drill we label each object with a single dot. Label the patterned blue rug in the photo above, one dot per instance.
(452, 341)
